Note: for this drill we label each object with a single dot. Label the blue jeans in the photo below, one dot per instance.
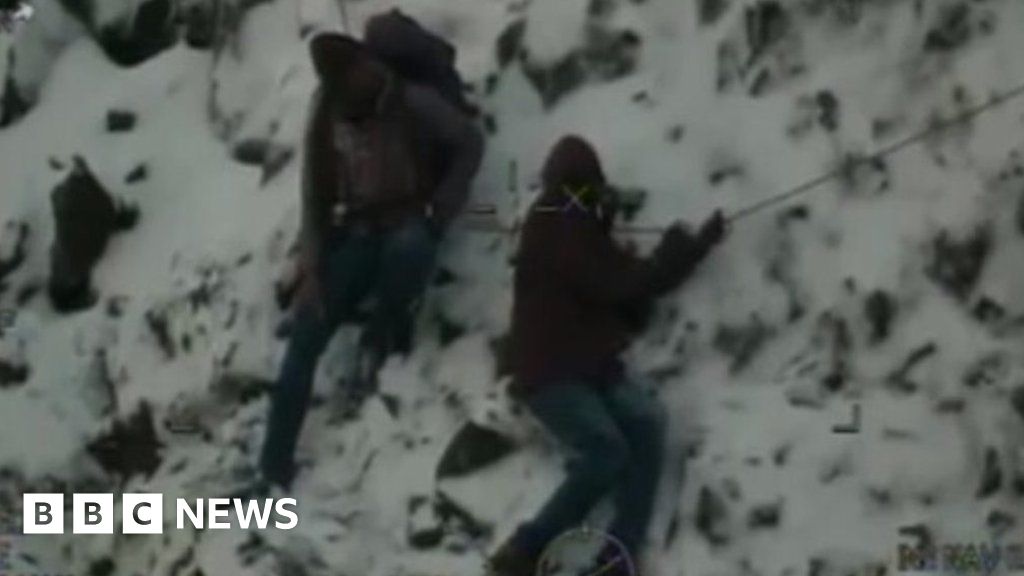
(393, 266)
(617, 437)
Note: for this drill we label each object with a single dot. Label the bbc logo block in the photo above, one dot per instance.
(144, 514)
(43, 514)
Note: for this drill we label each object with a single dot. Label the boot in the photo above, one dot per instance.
(509, 560)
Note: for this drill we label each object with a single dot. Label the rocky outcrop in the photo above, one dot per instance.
(85, 216)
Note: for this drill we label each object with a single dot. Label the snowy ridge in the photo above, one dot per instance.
(895, 288)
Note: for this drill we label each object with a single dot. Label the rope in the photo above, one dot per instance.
(994, 101)
(940, 126)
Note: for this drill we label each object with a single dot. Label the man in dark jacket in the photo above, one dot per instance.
(388, 165)
(576, 294)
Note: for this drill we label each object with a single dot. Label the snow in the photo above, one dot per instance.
(202, 212)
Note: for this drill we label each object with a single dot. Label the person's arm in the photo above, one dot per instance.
(597, 268)
(461, 140)
(314, 214)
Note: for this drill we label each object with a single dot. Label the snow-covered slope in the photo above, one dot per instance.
(895, 288)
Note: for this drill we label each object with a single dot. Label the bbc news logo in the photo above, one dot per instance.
(144, 514)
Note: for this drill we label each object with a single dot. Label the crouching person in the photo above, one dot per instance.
(388, 166)
(575, 300)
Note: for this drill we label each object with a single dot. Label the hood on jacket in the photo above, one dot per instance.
(353, 79)
(572, 173)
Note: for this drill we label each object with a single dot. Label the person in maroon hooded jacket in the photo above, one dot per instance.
(574, 311)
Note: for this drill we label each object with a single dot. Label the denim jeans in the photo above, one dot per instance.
(394, 267)
(616, 435)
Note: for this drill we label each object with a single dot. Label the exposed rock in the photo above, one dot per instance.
(272, 157)
(711, 517)
(1000, 522)
(13, 374)
(880, 309)
(988, 370)
(899, 379)
(765, 516)
(14, 248)
(676, 132)
(762, 52)
(103, 567)
(144, 33)
(200, 20)
(605, 55)
(709, 11)
(920, 533)
(988, 311)
(235, 388)
(130, 447)
(473, 448)
(448, 330)
(862, 175)
(120, 120)
(991, 475)
(138, 174)
(742, 342)
(952, 29)
(956, 264)
(1017, 400)
(510, 42)
(159, 325)
(828, 110)
(14, 105)
(86, 216)
(425, 528)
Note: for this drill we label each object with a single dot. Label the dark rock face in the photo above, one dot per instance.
(742, 342)
(13, 103)
(956, 264)
(130, 447)
(607, 54)
(900, 379)
(137, 174)
(765, 516)
(510, 43)
(709, 11)
(201, 25)
(473, 448)
(991, 475)
(270, 156)
(952, 29)
(16, 235)
(711, 517)
(120, 120)
(13, 374)
(880, 310)
(761, 52)
(86, 216)
(144, 35)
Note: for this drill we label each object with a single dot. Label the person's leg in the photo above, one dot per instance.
(344, 284)
(578, 418)
(643, 422)
(406, 263)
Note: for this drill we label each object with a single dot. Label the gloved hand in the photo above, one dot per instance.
(712, 231)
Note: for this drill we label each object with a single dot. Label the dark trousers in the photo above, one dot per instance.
(393, 266)
(616, 435)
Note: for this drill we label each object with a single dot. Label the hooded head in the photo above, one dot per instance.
(573, 173)
(352, 77)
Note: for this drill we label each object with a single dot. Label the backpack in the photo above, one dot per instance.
(416, 54)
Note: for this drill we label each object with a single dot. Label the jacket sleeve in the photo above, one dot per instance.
(314, 212)
(597, 269)
(462, 142)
